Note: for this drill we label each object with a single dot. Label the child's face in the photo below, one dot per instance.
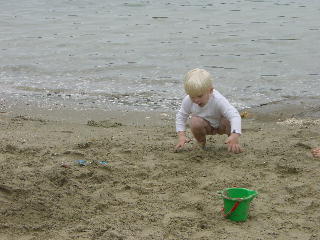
(202, 99)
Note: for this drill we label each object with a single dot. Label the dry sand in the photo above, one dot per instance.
(145, 190)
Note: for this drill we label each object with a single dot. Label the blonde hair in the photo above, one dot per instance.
(197, 82)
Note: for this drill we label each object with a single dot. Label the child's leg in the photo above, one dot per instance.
(225, 127)
(200, 128)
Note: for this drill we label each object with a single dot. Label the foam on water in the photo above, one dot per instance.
(134, 54)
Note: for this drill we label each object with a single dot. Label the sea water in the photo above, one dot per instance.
(133, 54)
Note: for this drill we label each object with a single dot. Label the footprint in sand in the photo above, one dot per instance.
(5, 193)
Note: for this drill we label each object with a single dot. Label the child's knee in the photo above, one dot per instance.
(197, 123)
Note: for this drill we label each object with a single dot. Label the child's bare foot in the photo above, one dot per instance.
(316, 152)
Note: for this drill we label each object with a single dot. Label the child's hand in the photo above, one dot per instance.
(233, 143)
(181, 141)
(316, 152)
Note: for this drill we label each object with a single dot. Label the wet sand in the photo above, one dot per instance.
(136, 187)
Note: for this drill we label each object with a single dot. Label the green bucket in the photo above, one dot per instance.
(237, 203)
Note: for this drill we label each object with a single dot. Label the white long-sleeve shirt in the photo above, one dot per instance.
(216, 108)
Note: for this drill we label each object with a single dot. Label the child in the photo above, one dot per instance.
(210, 112)
(316, 152)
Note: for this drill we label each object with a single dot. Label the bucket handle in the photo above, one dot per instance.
(235, 206)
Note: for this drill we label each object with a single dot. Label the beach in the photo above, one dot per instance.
(88, 96)
(133, 185)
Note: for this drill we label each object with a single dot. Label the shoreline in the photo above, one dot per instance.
(294, 107)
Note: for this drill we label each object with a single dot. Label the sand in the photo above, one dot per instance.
(135, 186)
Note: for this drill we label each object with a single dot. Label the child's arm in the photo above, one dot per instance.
(233, 116)
(233, 143)
(181, 118)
